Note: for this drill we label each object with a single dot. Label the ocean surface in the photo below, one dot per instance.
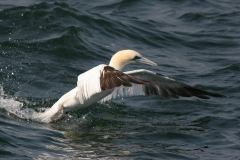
(45, 45)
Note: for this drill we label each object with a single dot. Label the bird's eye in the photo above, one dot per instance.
(136, 57)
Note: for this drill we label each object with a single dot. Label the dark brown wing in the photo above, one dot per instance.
(111, 78)
(157, 84)
(168, 87)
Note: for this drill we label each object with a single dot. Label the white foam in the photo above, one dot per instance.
(15, 107)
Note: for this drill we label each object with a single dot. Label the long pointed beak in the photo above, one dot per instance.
(145, 61)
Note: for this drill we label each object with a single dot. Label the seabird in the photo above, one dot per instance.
(106, 82)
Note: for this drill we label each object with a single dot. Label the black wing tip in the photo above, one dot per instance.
(216, 94)
(198, 92)
(221, 96)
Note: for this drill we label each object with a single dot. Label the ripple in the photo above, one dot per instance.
(44, 46)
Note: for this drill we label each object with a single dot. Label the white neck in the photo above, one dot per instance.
(117, 65)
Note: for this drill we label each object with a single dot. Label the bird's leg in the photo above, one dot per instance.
(60, 117)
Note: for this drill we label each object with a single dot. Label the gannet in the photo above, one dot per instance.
(106, 82)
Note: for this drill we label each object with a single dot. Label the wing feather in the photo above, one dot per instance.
(111, 78)
(156, 83)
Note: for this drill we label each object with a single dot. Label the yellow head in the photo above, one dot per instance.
(122, 58)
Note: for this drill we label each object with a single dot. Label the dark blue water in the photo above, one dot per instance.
(45, 45)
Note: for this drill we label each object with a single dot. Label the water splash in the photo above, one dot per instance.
(17, 108)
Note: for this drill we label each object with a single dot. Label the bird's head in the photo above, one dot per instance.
(122, 58)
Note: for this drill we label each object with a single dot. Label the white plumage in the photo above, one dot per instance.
(89, 90)
(86, 93)
(103, 83)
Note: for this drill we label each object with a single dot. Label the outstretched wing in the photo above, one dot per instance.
(158, 84)
(99, 82)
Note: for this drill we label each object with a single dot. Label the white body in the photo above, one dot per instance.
(86, 93)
